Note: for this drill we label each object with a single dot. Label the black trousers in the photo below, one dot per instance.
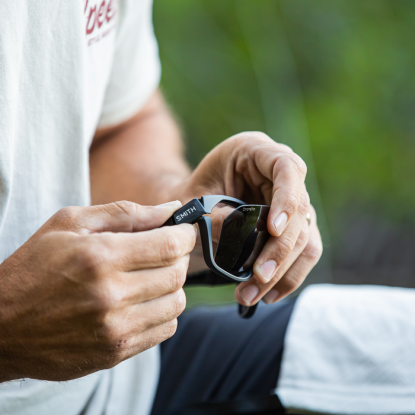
(216, 356)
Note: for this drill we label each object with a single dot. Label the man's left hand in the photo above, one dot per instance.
(252, 167)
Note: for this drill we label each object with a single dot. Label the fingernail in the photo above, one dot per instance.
(249, 293)
(271, 296)
(280, 223)
(267, 270)
(194, 225)
(169, 204)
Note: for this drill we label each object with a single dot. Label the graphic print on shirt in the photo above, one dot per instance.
(100, 19)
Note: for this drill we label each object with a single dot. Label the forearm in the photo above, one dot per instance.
(141, 160)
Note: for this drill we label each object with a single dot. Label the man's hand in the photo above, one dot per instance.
(252, 167)
(142, 160)
(93, 287)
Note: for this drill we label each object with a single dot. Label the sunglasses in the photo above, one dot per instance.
(241, 233)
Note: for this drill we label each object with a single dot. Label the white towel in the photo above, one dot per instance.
(350, 350)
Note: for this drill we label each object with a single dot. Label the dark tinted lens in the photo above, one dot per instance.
(244, 233)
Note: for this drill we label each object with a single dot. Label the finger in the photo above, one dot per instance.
(109, 252)
(128, 322)
(277, 250)
(120, 216)
(297, 273)
(278, 164)
(288, 197)
(139, 286)
(144, 341)
(160, 310)
(250, 292)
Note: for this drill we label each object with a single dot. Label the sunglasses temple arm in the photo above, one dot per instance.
(193, 210)
(245, 311)
(189, 213)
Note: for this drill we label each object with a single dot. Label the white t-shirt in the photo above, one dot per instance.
(66, 67)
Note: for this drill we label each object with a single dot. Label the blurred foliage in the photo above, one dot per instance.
(209, 295)
(333, 79)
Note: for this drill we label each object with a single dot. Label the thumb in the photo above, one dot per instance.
(120, 216)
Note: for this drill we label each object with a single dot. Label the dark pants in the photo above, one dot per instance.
(217, 356)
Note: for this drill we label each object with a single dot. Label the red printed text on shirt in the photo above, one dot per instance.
(99, 17)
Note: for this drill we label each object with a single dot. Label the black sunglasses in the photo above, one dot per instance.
(243, 234)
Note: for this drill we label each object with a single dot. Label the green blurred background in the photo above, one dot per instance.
(334, 80)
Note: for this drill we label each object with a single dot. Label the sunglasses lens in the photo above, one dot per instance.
(243, 235)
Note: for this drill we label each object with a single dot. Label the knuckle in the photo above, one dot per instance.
(304, 205)
(169, 329)
(103, 297)
(291, 203)
(299, 164)
(187, 238)
(249, 135)
(312, 212)
(303, 237)
(254, 139)
(179, 302)
(291, 162)
(259, 135)
(284, 248)
(126, 206)
(89, 258)
(180, 273)
(171, 248)
(67, 215)
(284, 147)
(291, 284)
(313, 251)
(109, 337)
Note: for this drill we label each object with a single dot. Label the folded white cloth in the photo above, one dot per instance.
(350, 350)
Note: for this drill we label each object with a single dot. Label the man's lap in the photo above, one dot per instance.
(217, 356)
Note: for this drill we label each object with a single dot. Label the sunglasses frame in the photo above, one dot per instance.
(193, 212)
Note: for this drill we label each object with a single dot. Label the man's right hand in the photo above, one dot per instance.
(93, 287)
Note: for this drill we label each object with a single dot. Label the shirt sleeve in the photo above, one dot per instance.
(136, 66)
